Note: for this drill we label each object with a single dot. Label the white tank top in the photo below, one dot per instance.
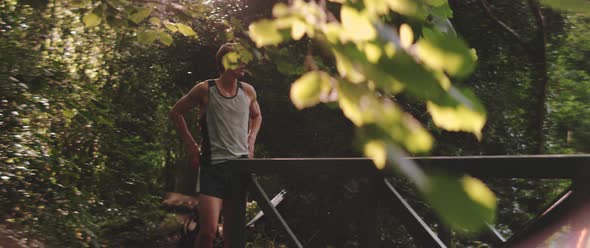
(225, 125)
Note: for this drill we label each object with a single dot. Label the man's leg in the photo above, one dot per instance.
(227, 219)
(209, 208)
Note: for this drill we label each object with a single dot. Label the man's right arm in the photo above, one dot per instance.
(195, 96)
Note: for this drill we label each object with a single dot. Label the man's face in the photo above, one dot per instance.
(237, 72)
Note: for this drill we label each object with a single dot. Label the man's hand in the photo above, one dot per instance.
(194, 157)
(251, 142)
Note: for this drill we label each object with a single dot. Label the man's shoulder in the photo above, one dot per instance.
(200, 89)
(206, 83)
(247, 86)
(203, 85)
(249, 89)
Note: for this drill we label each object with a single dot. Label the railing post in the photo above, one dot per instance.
(368, 221)
(239, 185)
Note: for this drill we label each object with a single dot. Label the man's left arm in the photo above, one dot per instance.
(255, 120)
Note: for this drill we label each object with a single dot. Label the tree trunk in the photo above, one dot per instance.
(538, 57)
(537, 53)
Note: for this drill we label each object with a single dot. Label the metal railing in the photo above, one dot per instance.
(378, 188)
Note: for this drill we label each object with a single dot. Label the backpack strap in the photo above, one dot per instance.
(211, 83)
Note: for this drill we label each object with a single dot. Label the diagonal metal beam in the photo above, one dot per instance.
(264, 202)
(423, 236)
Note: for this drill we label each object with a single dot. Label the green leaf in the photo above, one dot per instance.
(155, 21)
(446, 52)
(280, 10)
(465, 203)
(147, 37)
(298, 30)
(264, 33)
(308, 89)
(376, 151)
(69, 113)
(230, 60)
(91, 20)
(469, 116)
(357, 26)
(346, 67)
(380, 118)
(442, 11)
(165, 38)
(387, 155)
(376, 7)
(171, 26)
(407, 8)
(140, 15)
(185, 30)
(245, 55)
(349, 96)
(436, 3)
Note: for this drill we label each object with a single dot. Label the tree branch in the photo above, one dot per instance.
(539, 18)
(488, 9)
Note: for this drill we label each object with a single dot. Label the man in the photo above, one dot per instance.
(230, 119)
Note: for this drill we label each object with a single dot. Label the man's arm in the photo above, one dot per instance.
(255, 119)
(195, 96)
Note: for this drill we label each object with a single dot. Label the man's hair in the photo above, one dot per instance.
(223, 50)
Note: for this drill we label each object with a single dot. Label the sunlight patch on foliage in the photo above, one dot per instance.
(373, 52)
(91, 20)
(406, 7)
(477, 191)
(376, 151)
(445, 52)
(459, 118)
(376, 7)
(171, 26)
(406, 35)
(264, 33)
(230, 60)
(357, 26)
(308, 89)
(155, 21)
(186, 30)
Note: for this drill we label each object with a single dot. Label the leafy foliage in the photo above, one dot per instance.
(374, 63)
(84, 145)
(86, 149)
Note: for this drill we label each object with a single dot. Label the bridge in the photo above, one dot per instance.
(566, 209)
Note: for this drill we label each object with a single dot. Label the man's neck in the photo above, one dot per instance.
(227, 81)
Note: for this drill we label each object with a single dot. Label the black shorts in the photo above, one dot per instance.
(214, 180)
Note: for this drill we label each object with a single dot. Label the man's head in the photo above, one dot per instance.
(224, 50)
